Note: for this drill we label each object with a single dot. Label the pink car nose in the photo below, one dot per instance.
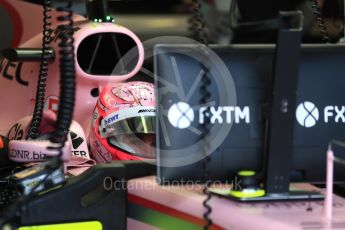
(99, 48)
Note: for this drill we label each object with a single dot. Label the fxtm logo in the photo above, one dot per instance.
(308, 114)
(181, 115)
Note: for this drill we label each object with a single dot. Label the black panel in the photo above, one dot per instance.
(321, 81)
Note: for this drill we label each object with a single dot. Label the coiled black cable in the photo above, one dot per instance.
(318, 16)
(197, 23)
(67, 74)
(197, 27)
(43, 71)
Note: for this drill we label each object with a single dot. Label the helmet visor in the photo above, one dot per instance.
(141, 144)
(142, 124)
(132, 130)
(134, 135)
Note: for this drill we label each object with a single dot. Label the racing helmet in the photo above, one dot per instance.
(123, 123)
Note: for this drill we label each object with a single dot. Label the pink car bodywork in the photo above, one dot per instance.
(18, 80)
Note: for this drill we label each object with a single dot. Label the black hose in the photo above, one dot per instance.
(67, 75)
(42, 78)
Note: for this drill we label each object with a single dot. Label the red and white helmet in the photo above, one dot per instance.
(123, 123)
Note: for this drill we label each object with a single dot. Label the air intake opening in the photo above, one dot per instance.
(102, 54)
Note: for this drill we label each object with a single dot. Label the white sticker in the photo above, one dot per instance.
(128, 113)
